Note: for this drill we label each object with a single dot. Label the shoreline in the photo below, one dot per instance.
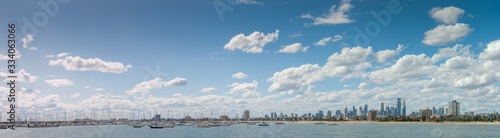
(390, 122)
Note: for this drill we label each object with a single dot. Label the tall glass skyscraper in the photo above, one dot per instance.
(382, 108)
(398, 110)
(404, 108)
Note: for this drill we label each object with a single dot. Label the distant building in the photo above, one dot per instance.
(246, 115)
(382, 108)
(454, 108)
(329, 114)
(398, 110)
(404, 108)
(371, 115)
(157, 117)
(426, 113)
(365, 113)
(225, 118)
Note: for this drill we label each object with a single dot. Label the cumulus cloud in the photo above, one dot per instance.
(293, 48)
(492, 51)
(295, 78)
(95, 64)
(28, 39)
(59, 82)
(336, 15)
(208, 89)
(252, 43)
(239, 75)
(22, 76)
(349, 63)
(383, 55)
(444, 34)
(245, 89)
(407, 67)
(176, 82)
(145, 87)
(447, 15)
(363, 85)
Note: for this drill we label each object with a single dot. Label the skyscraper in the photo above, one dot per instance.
(246, 115)
(329, 114)
(365, 113)
(398, 110)
(404, 108)
(382, 108)
(454, 108)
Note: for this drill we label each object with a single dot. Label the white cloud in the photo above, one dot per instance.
(252, 43)
(176, 82)
(363, 85)
(75, 95)
(145, 87)
(208, 89)
(28, 39)
(456, 50)
(383, 55)
(17, 55)
(336, 15)
(337, 38)
(444, 34)
(98, 89)
(177, 94)
(22, 76)
(246, 89)
(60, 55)
(293, 48)
(323, 41)
(249, 2)
(95, 64)
(407, 67)
(447, 15)
(349, 63)
(239, 75)
(295, 78)
(492, 51)
(59, 82)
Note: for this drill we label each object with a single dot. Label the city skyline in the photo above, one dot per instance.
(261, 56)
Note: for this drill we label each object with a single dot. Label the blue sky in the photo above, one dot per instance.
(159, 55)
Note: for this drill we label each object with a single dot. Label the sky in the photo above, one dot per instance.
(227, 56)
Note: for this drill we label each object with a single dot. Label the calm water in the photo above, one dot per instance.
(244, 131)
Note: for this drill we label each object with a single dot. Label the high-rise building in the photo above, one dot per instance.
(382, 108)
(246, 115)
(354, 111)
(393, 111)
(426, 113)
(365, 113)
(360, 113)
(272, 115)
(398, 110)
(329, 114)
(404, 108)
(454, 108)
